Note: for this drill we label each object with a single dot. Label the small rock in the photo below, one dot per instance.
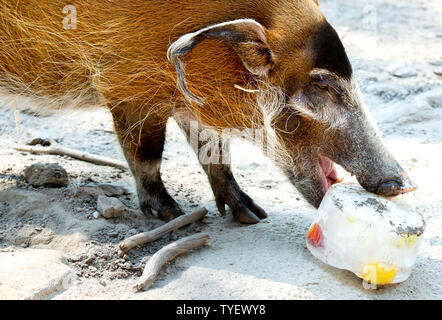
(92, 251)
(438, 71)
(110, 207)
(39, 141)
(96, 215)
(76, 257)
(113, 189)
(103, 283)
(88, 192)
(89, 260)
(436, 63)
(48, 175)
(113, 234)
(401, 70)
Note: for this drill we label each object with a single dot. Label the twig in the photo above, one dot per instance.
(55, 149)
(167, 254)
(157, 233)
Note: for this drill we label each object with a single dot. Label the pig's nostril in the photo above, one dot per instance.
(393, 188)
(389, 188)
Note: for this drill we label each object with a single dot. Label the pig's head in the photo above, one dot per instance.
(332, 124)
(321, 119)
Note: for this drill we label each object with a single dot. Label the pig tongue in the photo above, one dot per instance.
(330, 175)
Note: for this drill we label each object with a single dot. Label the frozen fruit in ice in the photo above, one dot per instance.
(376, 238)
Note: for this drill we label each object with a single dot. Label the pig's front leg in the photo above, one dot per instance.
(227, 191)
(143, 147)
(224, 186)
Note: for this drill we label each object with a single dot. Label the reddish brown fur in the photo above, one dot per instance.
(118, 51)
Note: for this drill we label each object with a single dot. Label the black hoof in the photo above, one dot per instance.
(244, 209)
(246, 216)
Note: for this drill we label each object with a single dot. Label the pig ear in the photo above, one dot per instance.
(246, 36)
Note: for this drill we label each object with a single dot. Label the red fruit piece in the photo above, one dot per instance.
(315, 236)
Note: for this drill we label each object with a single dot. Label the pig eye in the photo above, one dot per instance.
(328, 85)
(321, 85)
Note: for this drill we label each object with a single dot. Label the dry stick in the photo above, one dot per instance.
(62, 151)
(157, 233)
(167, 254)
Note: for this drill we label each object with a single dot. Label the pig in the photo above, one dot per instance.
(276, 65)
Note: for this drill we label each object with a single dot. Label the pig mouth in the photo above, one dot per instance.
(328, 175)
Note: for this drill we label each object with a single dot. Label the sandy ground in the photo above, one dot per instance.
(264, 261)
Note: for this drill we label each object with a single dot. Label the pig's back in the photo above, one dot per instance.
(118, 49)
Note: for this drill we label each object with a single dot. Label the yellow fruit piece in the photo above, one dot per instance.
(409, 241)
(378, 273)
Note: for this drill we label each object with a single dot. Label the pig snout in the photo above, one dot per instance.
(384, 176)
(391, 186)
(396, 186)
(366, 157)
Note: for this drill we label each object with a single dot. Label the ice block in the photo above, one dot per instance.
(376, 238)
